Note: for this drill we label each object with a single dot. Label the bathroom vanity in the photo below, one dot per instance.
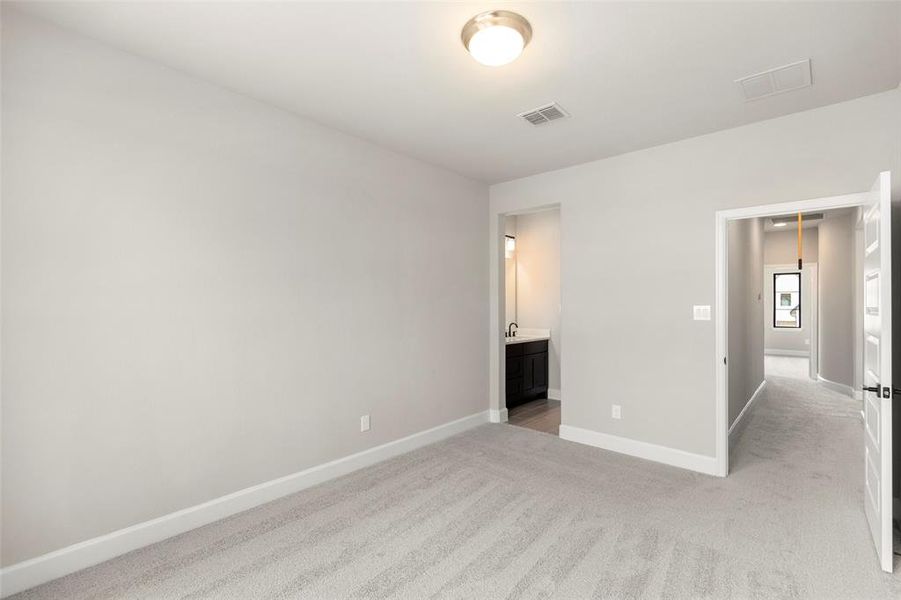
(527, 369)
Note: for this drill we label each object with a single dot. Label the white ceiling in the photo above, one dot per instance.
(633, 75)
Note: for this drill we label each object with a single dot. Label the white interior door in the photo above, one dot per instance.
(877, 320)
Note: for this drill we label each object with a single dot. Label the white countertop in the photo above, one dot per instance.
(522, 339)
(529, 335)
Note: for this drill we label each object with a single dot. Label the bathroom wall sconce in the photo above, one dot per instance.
(509, 246)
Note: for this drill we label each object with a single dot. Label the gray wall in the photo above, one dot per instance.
(538, 281)
(836, 299)
(781, 247)
(202, 293)
(643, 222)
(745, 297)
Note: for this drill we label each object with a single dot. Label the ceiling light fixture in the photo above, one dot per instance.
(782, 224)
(496, 37)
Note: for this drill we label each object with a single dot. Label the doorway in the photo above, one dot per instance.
(532, 334)
(789, 411)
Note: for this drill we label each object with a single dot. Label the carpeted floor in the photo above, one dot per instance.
(795, 367)
(506, 512)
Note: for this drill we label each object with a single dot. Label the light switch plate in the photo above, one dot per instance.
(616, 412)
(701, 313)
(364, 423)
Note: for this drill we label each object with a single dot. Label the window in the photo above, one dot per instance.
(787, 300)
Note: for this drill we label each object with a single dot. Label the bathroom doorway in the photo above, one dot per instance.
(532, 311)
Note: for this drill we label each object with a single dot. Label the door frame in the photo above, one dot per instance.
(721, 300)
(497, 367)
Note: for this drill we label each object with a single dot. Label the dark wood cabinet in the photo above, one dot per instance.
(535, 372)
(527, 375)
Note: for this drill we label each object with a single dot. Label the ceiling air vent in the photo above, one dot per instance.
(776, 81)
(544, 114)
(793, 219)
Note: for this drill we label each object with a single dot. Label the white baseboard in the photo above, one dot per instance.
(841, 388)
(553, 394)
(497, 416)
(27, 574)
(661, 454)
(734, 428)
(778, 352)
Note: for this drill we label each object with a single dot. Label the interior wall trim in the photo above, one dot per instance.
(740, 421)
(721, 307)
(781, 352)
(497, 416)
(653, 452)
(41, 569)
(841, 388)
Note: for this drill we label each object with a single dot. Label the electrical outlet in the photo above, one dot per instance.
(617, 412)
(364, 423)
(807, 342)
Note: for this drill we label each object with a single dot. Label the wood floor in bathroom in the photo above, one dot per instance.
(540, 415)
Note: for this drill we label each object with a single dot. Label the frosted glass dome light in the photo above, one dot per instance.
(497, 37)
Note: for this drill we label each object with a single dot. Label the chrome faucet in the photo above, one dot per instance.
(510, 332)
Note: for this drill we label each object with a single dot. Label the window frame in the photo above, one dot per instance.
(800, 300)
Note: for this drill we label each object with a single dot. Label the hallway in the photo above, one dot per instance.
(802, 447)
(795, 367)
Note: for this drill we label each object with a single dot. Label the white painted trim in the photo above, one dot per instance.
(746, 408)
(497, 364)
(721, 327)
(27, 574)
(721, 283)
(841, 388)
(789, 208)
(780, 352)
(661, 454)
(497, 416)
(553, 394)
